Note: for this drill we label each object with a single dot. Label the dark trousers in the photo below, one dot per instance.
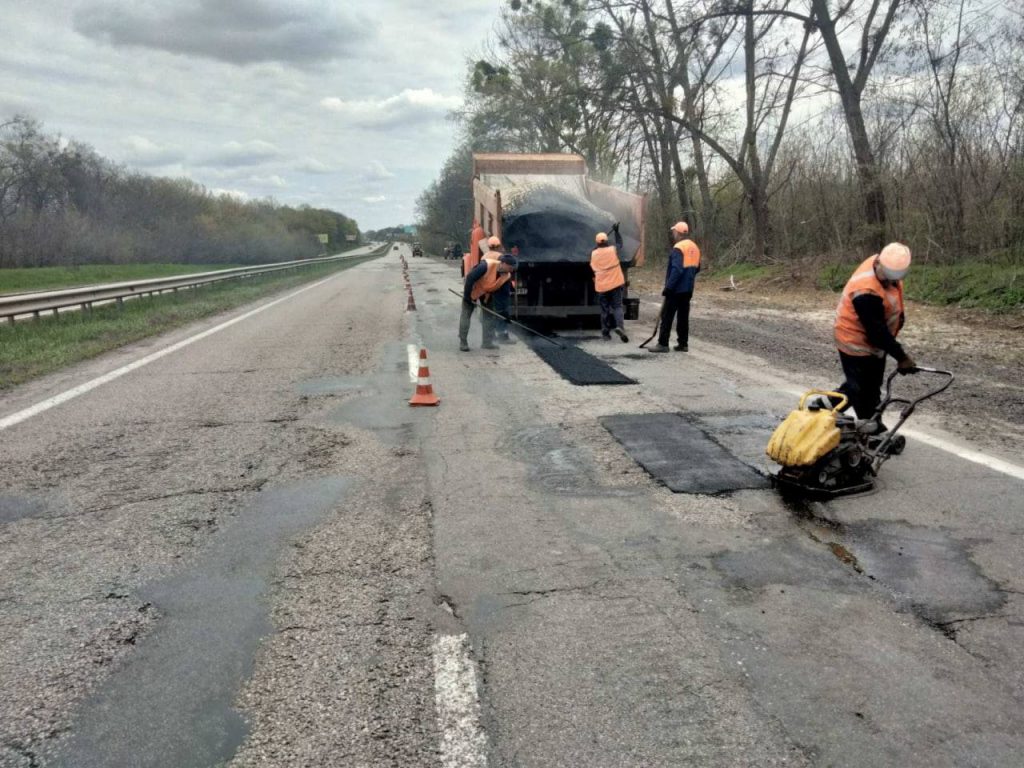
(611, 309)
(863, 385)
(502, 304)
(675, 305)
(487, 321)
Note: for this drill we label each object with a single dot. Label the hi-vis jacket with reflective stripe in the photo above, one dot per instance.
(607, 269)
(851, 338)
(491, 280)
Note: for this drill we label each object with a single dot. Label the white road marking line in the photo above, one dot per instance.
(783, 385)
(414, 362)
(463, 742)
(34, 410)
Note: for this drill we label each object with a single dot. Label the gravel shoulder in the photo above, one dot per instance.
(792, 331)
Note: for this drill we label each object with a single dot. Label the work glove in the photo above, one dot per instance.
(664, 291)
(906, 365)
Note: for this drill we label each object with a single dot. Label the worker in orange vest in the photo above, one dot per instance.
(475, 252)
(609, 282)
(869, 317)
(683, 266)
(482, 283)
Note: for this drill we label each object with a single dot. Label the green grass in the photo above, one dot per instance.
(995, 285)
(21, 280)
(32, 348)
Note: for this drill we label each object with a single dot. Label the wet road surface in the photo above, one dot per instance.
(495, 581)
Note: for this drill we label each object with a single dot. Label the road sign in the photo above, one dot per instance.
(323, 239)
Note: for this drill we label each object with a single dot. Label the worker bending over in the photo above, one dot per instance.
(683, 266)
(483, 283)
(609, 282)
(869, 317)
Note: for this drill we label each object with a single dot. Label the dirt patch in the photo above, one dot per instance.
(793, 332)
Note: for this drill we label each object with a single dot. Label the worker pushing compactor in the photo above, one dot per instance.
(869, 317)
(487, 283)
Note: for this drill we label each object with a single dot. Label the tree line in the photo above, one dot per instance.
(61, 203)
(779, 129)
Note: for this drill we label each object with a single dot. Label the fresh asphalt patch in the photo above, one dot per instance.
(681, 455)
(576, 366)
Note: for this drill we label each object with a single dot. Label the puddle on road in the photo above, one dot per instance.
(171, 705)
(384, 408)
(14, 507)
(791, 561)
(929, 572)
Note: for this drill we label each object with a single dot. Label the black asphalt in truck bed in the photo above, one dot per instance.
(679, 454)
(576, 366)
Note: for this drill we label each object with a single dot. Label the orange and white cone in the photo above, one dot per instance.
(424, 391)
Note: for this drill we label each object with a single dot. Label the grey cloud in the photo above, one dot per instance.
(140, 151)
(413, 106)
(234, 154)
(235, 31)
(377, 172)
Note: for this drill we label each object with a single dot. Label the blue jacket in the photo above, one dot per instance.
(679, 279)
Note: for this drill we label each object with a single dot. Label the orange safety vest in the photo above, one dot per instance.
(690, 252)
(491, 281)
(607, 269)
(851, 339)
(472, 256)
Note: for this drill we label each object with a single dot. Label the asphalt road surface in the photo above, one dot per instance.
(246, 549)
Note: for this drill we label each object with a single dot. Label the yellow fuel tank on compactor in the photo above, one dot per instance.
(805, 435)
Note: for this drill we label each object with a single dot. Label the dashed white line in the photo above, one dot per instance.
(414, 362)
(26, 413)
(463, 742)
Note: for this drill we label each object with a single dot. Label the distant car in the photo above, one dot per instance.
(395, 248)
(417, 249)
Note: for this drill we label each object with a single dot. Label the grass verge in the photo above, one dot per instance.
(27, 279)
(995, 285)
(32, 348)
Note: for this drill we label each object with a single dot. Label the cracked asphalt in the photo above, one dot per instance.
(242, 554)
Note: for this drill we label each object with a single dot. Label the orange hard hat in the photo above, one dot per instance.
(894, 261)
(600, 237)
(681, 227)
(494, 241)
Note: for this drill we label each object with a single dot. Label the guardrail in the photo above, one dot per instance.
(34, 304)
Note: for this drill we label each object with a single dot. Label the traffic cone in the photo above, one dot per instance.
(424, 391)
(411, 304)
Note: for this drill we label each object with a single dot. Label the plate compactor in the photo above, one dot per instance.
(824, 452)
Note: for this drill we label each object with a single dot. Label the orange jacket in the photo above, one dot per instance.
(851, 338)
(472, 256)
(491, 281)
(607, 269)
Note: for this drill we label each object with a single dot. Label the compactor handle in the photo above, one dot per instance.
(843, 399)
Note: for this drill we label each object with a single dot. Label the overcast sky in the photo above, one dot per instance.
(333, 103)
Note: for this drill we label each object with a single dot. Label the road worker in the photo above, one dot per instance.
(501, 300)
(486, 280)
(475, 252)
(609, 282)
(868, 319)
(683, 266)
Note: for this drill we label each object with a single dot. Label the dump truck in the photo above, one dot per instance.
(546, 210)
